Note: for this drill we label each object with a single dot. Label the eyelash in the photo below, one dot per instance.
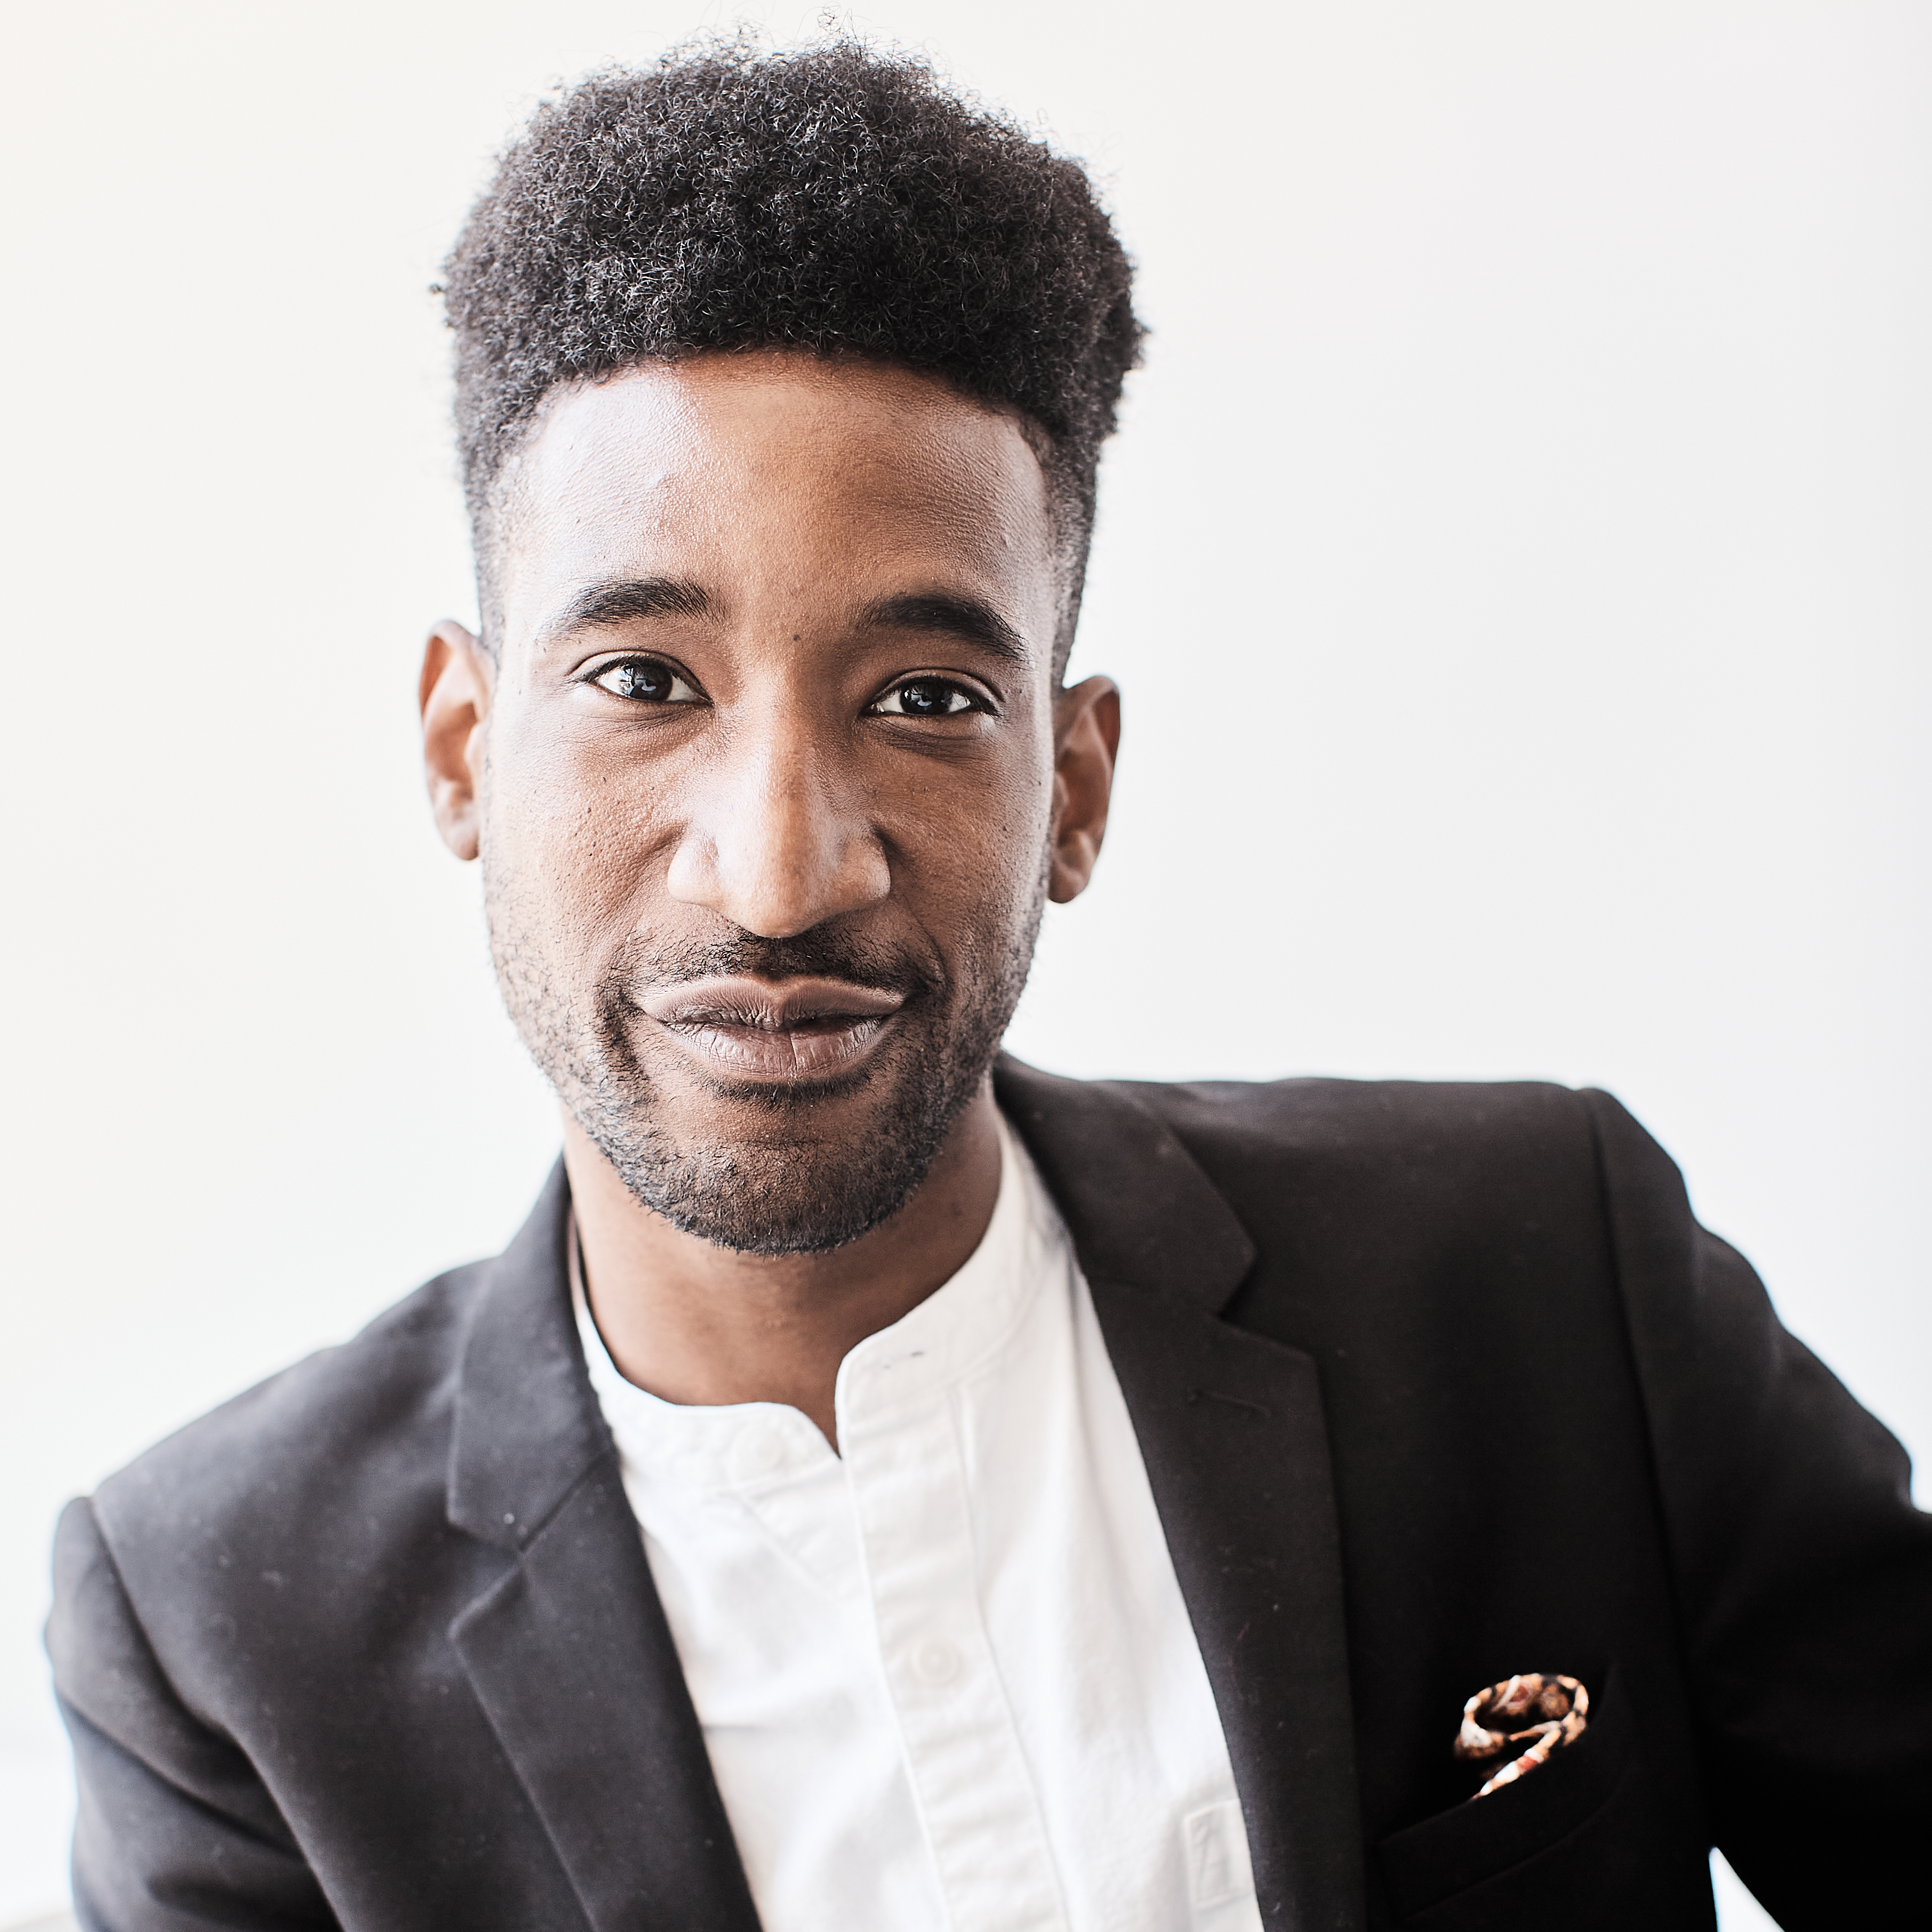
(681, 692)
(961, 699)
(974, 701)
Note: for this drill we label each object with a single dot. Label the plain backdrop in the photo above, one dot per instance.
(1515, 557)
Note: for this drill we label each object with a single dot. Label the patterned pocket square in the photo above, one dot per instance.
(1545, 1712)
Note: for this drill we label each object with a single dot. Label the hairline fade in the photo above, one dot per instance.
(831, 199)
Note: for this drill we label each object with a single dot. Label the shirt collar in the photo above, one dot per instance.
(963, 1323)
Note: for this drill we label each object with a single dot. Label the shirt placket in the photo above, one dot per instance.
(973, 1788)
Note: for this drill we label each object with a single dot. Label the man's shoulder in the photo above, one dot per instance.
(353, 1432)
(1365, 1127)
(1234, 1180)
(1394, 1125)
(1445, 1155)
(1307, 1109)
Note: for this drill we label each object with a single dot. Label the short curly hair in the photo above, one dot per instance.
(831, 198)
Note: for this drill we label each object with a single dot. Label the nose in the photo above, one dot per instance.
(780, 841)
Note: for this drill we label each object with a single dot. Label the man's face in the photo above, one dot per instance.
(768, 777)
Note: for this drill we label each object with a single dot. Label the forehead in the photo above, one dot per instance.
(776, 474)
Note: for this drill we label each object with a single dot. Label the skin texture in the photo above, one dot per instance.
(761, 910)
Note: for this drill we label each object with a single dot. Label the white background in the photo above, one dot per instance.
(1516, 559)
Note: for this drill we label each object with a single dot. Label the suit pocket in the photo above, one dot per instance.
(1484, 1837)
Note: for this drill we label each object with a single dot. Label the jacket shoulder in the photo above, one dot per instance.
(1327, 1108)
(349, 1430)
(1425, 1177)
(1407, 1135)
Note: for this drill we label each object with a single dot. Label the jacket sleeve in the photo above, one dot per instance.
(175, 1831)
(1803, 1572)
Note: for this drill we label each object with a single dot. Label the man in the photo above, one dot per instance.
(883, 1485)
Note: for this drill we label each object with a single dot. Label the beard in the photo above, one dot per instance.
(780, 1169)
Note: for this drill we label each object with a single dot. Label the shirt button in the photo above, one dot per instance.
(936, 1660)
(757, 1452)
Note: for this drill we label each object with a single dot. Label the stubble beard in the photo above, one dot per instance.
(794, 1185)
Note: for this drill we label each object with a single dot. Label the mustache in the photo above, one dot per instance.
(646, 967)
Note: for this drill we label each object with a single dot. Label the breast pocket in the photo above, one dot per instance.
(1435, 1867)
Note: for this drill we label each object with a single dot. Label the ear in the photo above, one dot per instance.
(455, 694)
(1086, 741)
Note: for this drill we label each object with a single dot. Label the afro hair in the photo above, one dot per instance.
(831, 199)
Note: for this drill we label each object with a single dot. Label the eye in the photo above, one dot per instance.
(647, 680)
(926, 698)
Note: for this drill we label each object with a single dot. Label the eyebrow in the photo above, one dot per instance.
(623, 600)
(948, 614)
(936, 613)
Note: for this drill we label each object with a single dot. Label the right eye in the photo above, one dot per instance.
(646, 681)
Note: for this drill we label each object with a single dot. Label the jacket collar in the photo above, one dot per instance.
(1135, 1201)
(567, 1650)
(527, 1427)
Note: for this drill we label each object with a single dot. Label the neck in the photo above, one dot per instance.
(693, 1323)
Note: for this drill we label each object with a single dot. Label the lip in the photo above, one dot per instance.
(774, 1030)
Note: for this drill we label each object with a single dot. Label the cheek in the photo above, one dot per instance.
(570, 837)
(973, 837)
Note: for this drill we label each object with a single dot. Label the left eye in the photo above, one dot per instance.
(647, 680)
(925, 698)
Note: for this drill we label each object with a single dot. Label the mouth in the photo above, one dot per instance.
(775, 1030)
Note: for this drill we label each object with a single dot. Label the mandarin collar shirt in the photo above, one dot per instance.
(946, 1678)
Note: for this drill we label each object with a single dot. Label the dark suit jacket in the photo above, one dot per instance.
(1433, 1383)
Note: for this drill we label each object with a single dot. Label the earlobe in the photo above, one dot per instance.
(1087, 741)
(453, 693)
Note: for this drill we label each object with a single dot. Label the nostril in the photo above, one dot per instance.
(778, 876)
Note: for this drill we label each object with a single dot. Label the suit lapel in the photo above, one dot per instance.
(567, 1651)
(1231, 1429)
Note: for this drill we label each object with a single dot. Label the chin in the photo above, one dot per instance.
(761, 1197)
(796, 1167)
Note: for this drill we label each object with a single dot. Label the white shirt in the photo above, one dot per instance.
(945, 1678)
